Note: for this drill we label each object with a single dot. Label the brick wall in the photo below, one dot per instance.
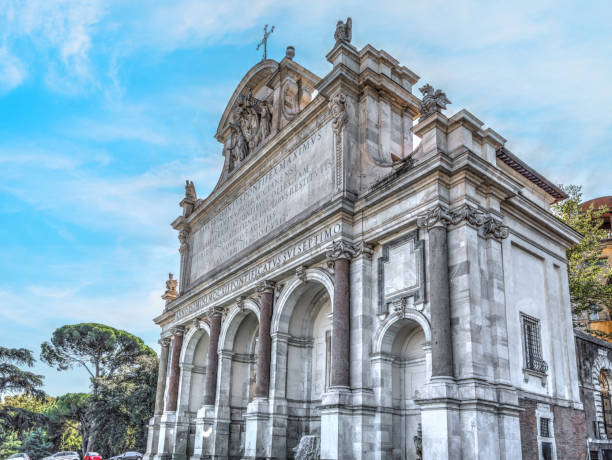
(529, 429)
(570, 433)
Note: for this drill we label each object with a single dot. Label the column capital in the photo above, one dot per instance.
(178, 331)
(341, 249)
(164, 342)
(438, 216)
(495, 229)
(265, 286)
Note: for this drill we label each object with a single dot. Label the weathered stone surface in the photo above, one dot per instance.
(398, 282)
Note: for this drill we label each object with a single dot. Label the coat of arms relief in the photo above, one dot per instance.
(250, 126)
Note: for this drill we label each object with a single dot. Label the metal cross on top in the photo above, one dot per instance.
(264, 41)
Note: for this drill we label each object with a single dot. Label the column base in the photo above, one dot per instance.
(336, 426)
(256, 442)
(152, 438)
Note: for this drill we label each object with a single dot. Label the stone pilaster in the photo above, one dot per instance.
(175, 370)
(435, 221)
(212, 359)
(161, 376)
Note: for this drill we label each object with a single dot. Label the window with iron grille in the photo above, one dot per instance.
(533, 344)
(545, 427)
(594, 455)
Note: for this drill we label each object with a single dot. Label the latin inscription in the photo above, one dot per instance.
(259, 270)
(301, 179)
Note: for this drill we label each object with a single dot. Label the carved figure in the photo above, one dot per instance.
(337, 105)
(171, 292)
(238, 148)
(190, 192)
(308, 448)
(433, 101)
(265, 121)
(344, 31)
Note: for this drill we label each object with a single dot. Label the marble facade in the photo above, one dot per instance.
(367, 280)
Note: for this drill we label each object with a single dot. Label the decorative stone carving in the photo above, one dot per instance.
(344, 31)
(300, 272)
(337, 105)
(178, 331)
(183, 237)
(164, 342)
(190, 192)
(341, 249)
(290, 52)
(240, 302)
(308, 448)
(434, 101)
(435, 216)
(250, 126)
(171, 292)
(492, 228)
(495, 229)
(418, 443)
(265, 286)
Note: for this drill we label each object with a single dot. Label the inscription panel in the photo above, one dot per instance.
(301, 179)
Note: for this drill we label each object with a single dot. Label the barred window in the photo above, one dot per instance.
(533, 344)
(545, 427)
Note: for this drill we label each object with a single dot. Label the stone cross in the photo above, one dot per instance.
(264, 41)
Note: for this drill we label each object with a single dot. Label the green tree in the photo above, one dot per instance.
(72, 411)
(9, 445)
(37, 444)
(128, 398)
(12, 378)
(588, 272)
(102, 351)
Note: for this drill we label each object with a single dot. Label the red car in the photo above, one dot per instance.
(92, 456)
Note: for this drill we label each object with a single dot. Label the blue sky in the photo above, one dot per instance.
(106, 107)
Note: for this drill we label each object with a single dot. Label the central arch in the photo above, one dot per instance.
(302, 351)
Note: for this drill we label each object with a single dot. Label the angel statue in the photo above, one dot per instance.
(433, 101)
(265, 121)
(344, 31)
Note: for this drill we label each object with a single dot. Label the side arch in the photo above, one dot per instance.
(191, 340)
(287, 300)
(385, 333)
(232, 321)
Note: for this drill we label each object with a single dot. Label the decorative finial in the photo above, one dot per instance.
(290, 53)
(190, 192)
(264, 42)
(433, 101)
(344, 31)
(171, 292)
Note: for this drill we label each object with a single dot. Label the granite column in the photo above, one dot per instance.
(175, 370)
(162, 374)
(266, 301)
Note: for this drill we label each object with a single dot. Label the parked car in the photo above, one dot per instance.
(19, 456)
(66, 455)
(127, 456)
(92, 456)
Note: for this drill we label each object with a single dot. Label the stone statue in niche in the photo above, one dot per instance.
(433, 101)
(250, 127)
(308, 448)
(344, 31)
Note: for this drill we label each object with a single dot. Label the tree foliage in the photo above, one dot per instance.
(117, 363)
(73, 410)
(14, 379)
(588, 272)
(37, 444)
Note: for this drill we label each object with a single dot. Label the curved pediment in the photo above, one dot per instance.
(269, 96)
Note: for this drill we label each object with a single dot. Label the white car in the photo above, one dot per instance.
(20, 456)
(64, 456)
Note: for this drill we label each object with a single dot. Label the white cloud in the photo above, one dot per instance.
(12, 70)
